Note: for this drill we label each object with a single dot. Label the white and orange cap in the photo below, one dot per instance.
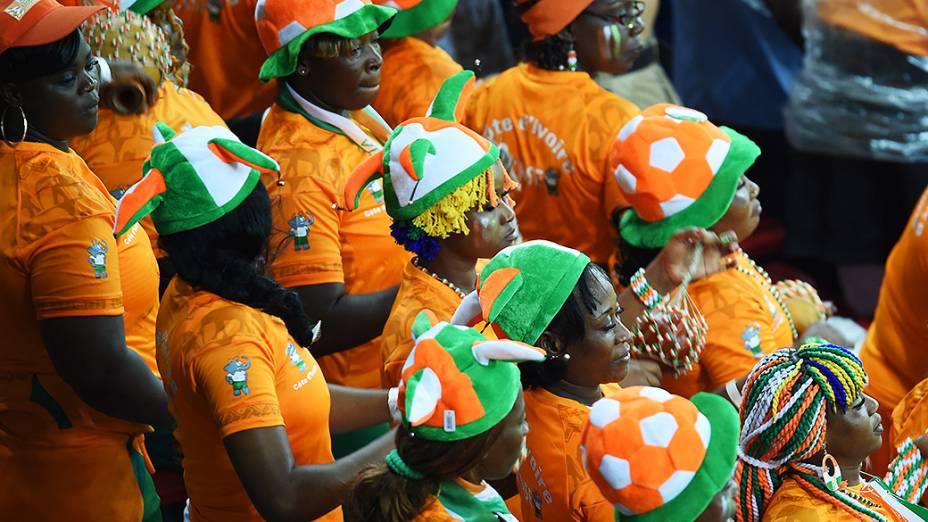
(25, 23)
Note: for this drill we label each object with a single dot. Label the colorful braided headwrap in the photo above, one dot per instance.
(783, 419)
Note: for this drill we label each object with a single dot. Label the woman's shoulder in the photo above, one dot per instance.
(791, 503)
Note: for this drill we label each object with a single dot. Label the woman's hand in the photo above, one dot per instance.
(664, 337)
(642, 372)
(673, 262)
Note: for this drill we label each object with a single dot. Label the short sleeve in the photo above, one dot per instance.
(74, 271)
(740, 332)
(305, 244)
(613, 199)
(237, 380)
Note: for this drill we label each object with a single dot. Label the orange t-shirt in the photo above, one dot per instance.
(314, 242)
(60, 259)
(910, 417)
(230, 368)
(116, 150)
(552, 480)
(412, 73)
(891, 352)
(900, 23)
(745, 323)
(225, 55)
(482, 502)
(557, 127)
(791, 503)
(418, 291)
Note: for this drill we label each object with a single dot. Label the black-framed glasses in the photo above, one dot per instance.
(627, 16)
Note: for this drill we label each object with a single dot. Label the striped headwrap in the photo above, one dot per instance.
(783, 418)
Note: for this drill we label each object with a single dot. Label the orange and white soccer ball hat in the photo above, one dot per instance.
(665, 159)
(655, 455)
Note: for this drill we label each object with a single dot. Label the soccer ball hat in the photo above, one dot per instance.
(192, 179)
(285, 25)
(657, 456)
(522, 288)
(677, 170)
(415, 16)
(426, 159)
(456, 384)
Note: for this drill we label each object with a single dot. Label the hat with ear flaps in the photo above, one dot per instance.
(415, 16)
(456, 384)
(427, 159)
(677, 170)
(522, 288)
(191, 179)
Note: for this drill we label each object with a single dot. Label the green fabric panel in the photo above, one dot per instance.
(426, 15)
(151, 511)
(418, 150)
(463, 503)
(144, 6)
(140, 214)
(367, 19)
(716, 469)
(344, 444)
(449, 96)
(245, 153)
(707, 210)
(919, 510)
(40, 396)
(162, 451)
(285, 100)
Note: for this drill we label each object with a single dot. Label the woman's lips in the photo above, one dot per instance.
(879, 423)
(626, 355)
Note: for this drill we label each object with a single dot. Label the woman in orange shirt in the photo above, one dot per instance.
(461, 215)
(807, 427)
(74, 401)
(253, 409)
(557, 124)
(463, 422)
(119, 145)
(557, 299)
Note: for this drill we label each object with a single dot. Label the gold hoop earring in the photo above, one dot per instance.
(3, 127)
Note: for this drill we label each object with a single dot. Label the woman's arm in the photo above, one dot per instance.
(356, 408)
(282, 492)
(90, 354)
(348, 320)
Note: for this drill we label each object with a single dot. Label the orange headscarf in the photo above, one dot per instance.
(549, 17)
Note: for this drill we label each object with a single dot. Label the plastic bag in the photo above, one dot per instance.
(863, 89)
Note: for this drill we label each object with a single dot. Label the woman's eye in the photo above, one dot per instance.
(91, 64)
(68, 78)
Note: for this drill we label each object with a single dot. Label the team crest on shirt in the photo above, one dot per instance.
(237, 375)
(97, 259)
(296, 358)
(552, 179)
(376, 189)
(299, 230)
(118, 193)
(751, 338)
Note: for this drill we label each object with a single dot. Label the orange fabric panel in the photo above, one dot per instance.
(412, 73)
(54, 448)
(226, 55)
(910, 418)
(891, 353)
(745, 323)
(560, 152)
(315, 242)
(552, 480)
(117, 148)
(900, 23)
(791, 503)
(418, 292)
(230, 368)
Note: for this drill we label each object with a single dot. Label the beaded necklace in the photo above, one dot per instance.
(440, 279)
(765, 281)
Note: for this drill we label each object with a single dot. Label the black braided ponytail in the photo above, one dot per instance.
(225, 257)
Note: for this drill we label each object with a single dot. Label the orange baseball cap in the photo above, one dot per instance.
(38, 22)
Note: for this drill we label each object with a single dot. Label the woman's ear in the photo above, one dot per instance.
(551, 344)
(10, 95)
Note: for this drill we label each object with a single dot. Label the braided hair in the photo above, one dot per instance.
(783, 419)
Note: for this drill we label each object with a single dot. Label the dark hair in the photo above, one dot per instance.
(568, 325)
(225, 257)
(550, 53)
(21, 64)
(380, 495)
(631, 258)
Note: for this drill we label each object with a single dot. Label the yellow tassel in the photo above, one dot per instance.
(449, 215)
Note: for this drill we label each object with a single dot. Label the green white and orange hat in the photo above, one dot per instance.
(285, 25)
(657, 456)
(139, 6)
(677, 170)
(415, 16)
(427, 158)
(456, 384)
(192, 179)
(522, 288)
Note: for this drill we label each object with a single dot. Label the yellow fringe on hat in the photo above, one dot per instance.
(449, 215)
